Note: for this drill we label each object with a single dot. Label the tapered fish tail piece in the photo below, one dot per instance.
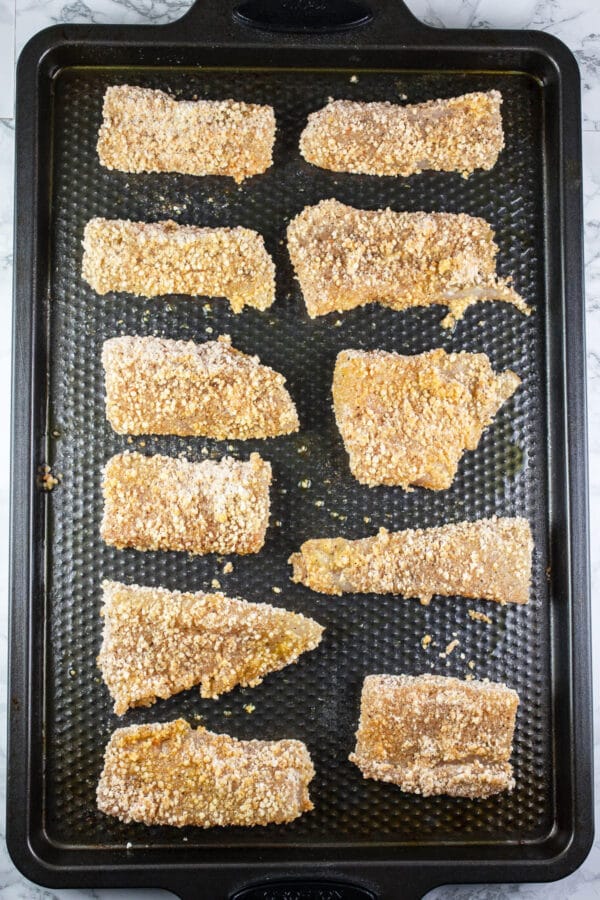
(489, 559)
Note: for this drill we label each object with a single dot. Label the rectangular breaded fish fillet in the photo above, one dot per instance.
(168, 774)
(159, 386)
(435, 735)
(158, 642)
(153, 259)
(161, 503)
(489, 559)
(407, 420)
(460, 134)
(148, 131)
(346, 257)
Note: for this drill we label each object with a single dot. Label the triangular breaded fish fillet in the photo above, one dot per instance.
(159, 642)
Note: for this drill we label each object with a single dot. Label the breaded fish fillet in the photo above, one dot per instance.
(346, 257)
(159, 386)
(152, 259)
(158, 642)
(456, 135)
(167, 774)
(148, 131)
(407, 420)
(435, 735)
(161, 503)
(489, 559)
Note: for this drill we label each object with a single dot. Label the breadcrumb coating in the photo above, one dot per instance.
(159, 386)
(460, 134)
(407, 420)
(346, 257)
(161, 503)
(435, 735)
(168, 774)
(159, 642)
(153, 259)
(489, 559)
(148, 131)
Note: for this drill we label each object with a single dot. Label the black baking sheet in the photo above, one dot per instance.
(313, 494)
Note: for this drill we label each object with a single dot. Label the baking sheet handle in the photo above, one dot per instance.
(303, 15)
(391, 885)
(304, 890)
(370, 21)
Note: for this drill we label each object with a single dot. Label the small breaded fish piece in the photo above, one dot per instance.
(346, 257)
(460, 134)
(489, 559)
(407, 420)
(153, 259)
(161, 503)
(159, 386)
(434, 735)
(169, 774)
(158, 642)
(148, 131)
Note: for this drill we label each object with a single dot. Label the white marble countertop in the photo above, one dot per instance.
(577, 23)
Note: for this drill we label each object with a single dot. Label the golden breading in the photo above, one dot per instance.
(148, 131)
(346, 257)
(407, 420)
(158, 642)
(435, 735)
(153, 259)
(161, 503)
(456, 135)
(167, 774)
(489, 559)
(159, 386)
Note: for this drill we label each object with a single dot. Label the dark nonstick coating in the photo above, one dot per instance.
(313, 493)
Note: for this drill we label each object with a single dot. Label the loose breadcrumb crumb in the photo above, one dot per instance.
(46, 479)
(479, 616)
